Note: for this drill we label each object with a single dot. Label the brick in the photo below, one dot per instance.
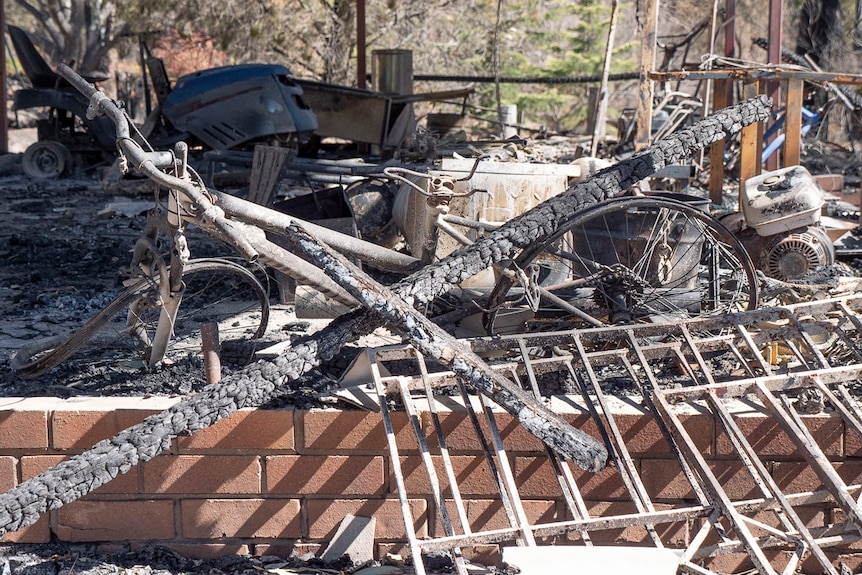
(206, 550)
(487, 514)
(81, 429)
(472, 474)
(325, 515)
(39, 532)
(812, 516)
(218, 518)
(852, 442)
(536, 478)
(198, 474)
(740, 562)
(8, 472)
(768, 440)
(461, 436)
(853, 561)
(735, 479)
(362, 431)
(116, 520)
(798, 477)
(23, 429)
(664, 480)
(669, 533)
(729, 563)
(643, 437)
(321, 475)
(33, 465)
(254, 430)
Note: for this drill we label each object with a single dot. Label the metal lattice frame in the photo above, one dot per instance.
(776, 353)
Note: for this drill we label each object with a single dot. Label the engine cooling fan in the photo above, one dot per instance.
(790, 257)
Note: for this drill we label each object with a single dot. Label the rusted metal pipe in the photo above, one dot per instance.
(210, 346)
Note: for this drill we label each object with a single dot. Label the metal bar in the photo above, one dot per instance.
(625, 464)
(712, 485)
(568, 485)
(630, 519)
(704, 369)
(789, 421)
(702, 533)
(441, 443)
(647, 397)
(522, 523)
(766, 483)
(395, 462)
(210, 347)
(758, 73)
(505, 499)
(434, 482)
(734, 349)
(784, 382)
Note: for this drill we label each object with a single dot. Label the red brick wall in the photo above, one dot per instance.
(267, 482)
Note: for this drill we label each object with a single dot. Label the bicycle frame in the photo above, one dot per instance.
(238, 222)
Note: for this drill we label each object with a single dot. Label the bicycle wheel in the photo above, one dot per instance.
(216, 290)
(628, 260)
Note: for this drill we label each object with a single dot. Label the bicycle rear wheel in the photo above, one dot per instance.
(628, 260)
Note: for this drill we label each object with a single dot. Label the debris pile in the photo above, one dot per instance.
(580, 287)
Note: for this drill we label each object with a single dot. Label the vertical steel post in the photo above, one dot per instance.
(774, 49)
(4, 125)
(361, 66)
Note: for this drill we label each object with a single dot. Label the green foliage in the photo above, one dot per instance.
(560, 39)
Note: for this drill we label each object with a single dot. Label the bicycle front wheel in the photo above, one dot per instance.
(216, 290)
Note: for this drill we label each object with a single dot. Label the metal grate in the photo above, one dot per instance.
(783, 359)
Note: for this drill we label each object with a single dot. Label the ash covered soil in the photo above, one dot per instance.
(63, 246)
(70, 559)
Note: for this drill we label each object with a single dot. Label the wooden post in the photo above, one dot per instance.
(716, 151)
(774, 49)
(793, 123)
(750, 148)
(645, 93)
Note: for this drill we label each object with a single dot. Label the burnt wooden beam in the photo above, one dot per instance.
(586, 451)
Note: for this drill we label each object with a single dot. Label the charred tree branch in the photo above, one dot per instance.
(589, 453)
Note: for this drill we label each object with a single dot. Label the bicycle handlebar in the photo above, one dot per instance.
(150, 163)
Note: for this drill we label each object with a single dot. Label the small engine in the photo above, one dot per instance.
(792, 256)
(778, 224)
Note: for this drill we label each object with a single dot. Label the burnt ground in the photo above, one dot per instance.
(63, 246)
